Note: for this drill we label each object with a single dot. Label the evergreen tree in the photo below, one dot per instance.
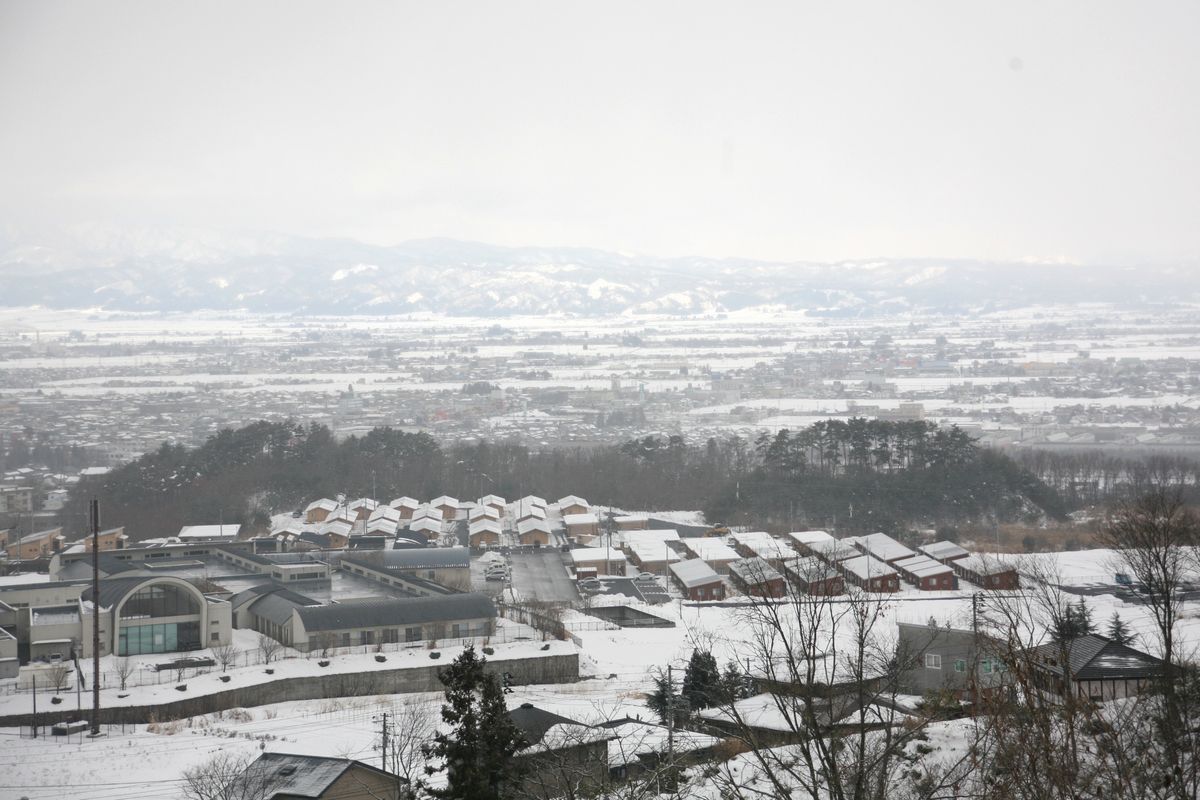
(1118, 630)
(1083, 616)
(1076, 621)
(664, 695)
(478, 747)
(735, 685)
(702, 680)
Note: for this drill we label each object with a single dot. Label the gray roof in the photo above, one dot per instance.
(113, 589)
(754, 570)
(413, 558)
(397, 612)
(277, 606)
(534, 721)
(287, 775)
(1094, 657)
(694, 572)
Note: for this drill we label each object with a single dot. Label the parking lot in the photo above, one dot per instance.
(541, 575)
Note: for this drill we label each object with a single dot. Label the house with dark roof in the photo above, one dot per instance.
(390, 621)
(757, 578)
(1096, 668)
(284, 776)
(560, 754)
(449, 567)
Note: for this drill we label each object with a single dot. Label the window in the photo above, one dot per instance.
(412, 634)
(216, 637)
(960, 665)
(368, 637)
(986, 665)
(159, 601)
(933, 661)
(346, 639)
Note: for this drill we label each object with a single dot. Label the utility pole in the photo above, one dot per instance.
(384, 750)
(670, 717)
(34, 678)
(96, 617)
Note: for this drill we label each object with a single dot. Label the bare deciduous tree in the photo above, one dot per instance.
(226, 655)
(228, 776)
(268, 648)
(123, 668)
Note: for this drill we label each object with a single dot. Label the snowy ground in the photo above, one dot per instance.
(617, 666)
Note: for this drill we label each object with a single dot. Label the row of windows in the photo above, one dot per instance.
(159, 601)
(987, 665)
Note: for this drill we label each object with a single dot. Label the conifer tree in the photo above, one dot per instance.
(702, 680)
(1118, 630)
(477, 750)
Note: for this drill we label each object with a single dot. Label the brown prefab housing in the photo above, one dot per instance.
(698, 580)
(883, 547)
(633, 522)
(805, 541)
(572, 504)
(944, 551)
(533, 532)
(986, 573)
(580, 525)
(484, 532)
(925, 573)
(712, 551)
(757, 578)
(870, 574)
(811, 575)
(319, 510)
(606, 560)
(34, 545)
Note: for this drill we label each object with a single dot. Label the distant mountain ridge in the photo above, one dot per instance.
(154, 271)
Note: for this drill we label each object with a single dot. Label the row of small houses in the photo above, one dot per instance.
(488, 519)
(813, 562)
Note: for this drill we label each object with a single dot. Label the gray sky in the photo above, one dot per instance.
(787, 130)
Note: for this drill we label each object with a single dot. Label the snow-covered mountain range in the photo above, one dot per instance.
(169, 271)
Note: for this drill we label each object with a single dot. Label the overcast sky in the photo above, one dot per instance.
(786, 130)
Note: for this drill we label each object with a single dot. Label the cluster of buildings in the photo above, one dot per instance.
(489, 522)
(756, 563)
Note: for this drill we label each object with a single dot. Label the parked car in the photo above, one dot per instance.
(646, 577)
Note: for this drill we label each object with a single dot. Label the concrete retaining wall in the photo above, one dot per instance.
(562, 668)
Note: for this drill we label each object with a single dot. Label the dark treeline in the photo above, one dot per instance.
(1100, 478)
(858, 474)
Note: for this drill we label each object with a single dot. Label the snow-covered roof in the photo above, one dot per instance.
(580, 519)
(533, 524)
(485, 526)
(324, 502)
(694, 572)
(754, 570)
(650, 550)
(867, 567)
(710, 549)
(405, 502)
(883, 547)
(809, 538)
(572, 500)
(944, 550)
(209, 531)
(589, 555)
(922, 566)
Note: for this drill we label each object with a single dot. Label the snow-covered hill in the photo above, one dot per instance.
(186, 271)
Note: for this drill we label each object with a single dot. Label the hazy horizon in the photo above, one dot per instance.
(782, 132)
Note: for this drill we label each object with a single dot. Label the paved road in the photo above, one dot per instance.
(541, 575)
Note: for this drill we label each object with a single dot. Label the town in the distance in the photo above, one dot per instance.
(718, 556)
